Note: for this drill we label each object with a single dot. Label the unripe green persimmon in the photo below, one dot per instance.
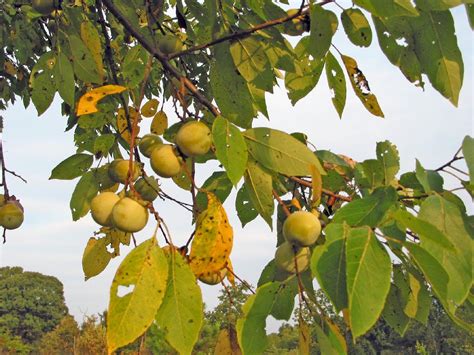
(169, 44)
(118, 170)
(165, 162)
(148, 188)
(194, 138)
(102, 206)
(302, 228)
(11, 215)
(285, 258)
(215, 278)
(148, 143)
(44, 7)
(129, 215)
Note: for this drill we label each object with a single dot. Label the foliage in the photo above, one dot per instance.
(103, 58)
(31, 303)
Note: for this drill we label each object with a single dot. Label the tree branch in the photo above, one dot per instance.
(325, 191)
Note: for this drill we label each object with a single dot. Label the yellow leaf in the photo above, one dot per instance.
(149, 109)
(95, 257)
(159, 123)
(317, 186)
(212, 241)
(122, 124)
(88, 102)
(90, 37)
(227, 343)
(361, 86)
(230, 273)
(295, 203)
(304, 343)
(9, 68)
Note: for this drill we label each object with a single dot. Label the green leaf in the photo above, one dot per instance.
(231, 149)
(249, 57)
(259, 187)
(369, 174)
(86, 189)
(357, 27)
(244, 207)
(219, 184)
(328, 264)
(388, 8)
(84, 65)
(369, 210)
(305, 78)
(368, 279)
(397, 299)
(145, 271)
(438, 5)
(181, 314)
(320, 32)
(470, 14)
(361, 86)
(42, 92)
(251, 327)
(280, 152)
(230, 89)
(92, 40)
(424, 229)
(64, 76)
(437, 50)
(468, 153)
(388, 156)
(95, 257)
(103, 144)
(458, 262)
(395, 37)
(72, 167)
(429, 179)
(336, 82)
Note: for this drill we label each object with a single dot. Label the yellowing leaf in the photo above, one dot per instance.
(227, 343)
(304, 338)
(361, 86)
(230, 273)
(317, 186)
(90, 37)
(159, 123)
(122, 124)
(212, 241)
(96, 257)
(150, 107)
(88, 102)
(136, 294)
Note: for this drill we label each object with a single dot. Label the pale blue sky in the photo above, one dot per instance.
(422, 124)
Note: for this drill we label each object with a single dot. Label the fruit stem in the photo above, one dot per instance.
(285, 209)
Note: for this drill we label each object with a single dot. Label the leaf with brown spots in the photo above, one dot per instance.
(122, 124)
(213, 240)
(88, 102)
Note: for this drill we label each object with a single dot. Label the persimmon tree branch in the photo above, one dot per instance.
(325, 191)
(162, 58)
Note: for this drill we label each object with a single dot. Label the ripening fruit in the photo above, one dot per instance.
(148, 143)
(302, 228)
(118, 170)
(44, 7)
(129, 216)
(169, 44)
(148, 188)
(215, 278)
(11, 215)
(285, 258)
(102, 206)
(295, 27)
(165, 162)
(194, 138)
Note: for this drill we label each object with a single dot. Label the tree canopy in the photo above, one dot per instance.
(380, 242)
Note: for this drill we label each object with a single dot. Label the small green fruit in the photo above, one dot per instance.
(194, 138)
(148, 143)
(11, 215)
(148, 188)
(285, 258)
(44, 7)
(215, 278)
(165, 162)
(129, 216)
(102, 206)
(118, 170)
(302, 228)
(169, 44)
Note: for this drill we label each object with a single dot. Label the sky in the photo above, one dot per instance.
(422, 124)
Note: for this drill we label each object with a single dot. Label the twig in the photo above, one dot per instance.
(285, 209)
(325, 191)
(453, 159)
(243, 282)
